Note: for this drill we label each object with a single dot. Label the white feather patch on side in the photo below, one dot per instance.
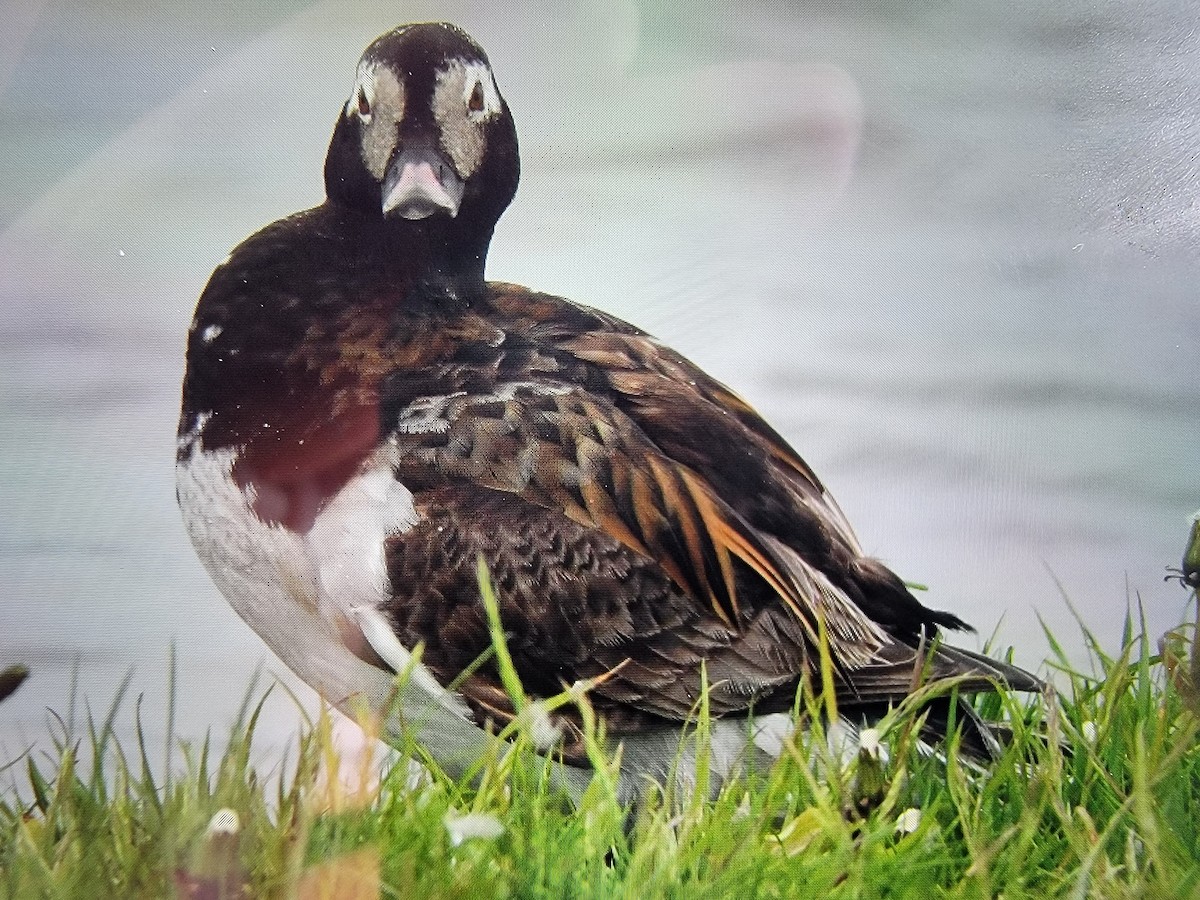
(292, 590)
(435, 414)
(347, 539)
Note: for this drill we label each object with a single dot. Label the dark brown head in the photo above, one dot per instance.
(425, 142)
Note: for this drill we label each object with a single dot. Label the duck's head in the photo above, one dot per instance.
(425, 136)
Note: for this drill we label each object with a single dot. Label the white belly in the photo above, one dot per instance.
(305, 594)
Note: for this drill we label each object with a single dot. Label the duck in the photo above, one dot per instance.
(366, 420)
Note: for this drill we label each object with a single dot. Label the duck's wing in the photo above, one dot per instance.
(640, 521)
(567, 449)
(764, 489)
(576, 603)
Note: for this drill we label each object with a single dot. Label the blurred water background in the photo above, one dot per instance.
(949, 249)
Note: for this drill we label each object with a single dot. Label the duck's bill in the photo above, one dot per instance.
(419, 184)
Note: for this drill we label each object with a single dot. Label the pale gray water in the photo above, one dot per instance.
(950, 253)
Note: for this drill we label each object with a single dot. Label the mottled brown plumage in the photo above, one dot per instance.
(637, 517)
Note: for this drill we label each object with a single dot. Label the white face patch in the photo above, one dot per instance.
(378, 103)
(465, 99)
(479, 92)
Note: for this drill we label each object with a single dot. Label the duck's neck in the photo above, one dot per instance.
(441, 259)
(453, 264)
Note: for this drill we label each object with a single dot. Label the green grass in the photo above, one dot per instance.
(1098, 795)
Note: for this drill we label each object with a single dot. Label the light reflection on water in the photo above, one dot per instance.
(951, 258)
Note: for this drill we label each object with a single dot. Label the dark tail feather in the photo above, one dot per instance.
(976, 664)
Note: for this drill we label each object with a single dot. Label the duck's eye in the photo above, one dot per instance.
(475, 101)
(364, 105)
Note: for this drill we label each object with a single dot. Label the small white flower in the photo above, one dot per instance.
(1089, 731)
(224, 821)
(542, 730)
(868, 742)
(217, 855)
(472, 825)
(908, 821)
